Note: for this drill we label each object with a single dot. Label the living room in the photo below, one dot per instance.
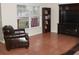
(41, 43)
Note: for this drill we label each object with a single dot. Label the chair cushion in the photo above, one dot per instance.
(22, 39)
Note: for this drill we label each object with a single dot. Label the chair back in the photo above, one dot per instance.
(8, 30)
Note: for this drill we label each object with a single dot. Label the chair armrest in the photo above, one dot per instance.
(14, 36)
(17, 36)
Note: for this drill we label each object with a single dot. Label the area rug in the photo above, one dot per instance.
(73, 50)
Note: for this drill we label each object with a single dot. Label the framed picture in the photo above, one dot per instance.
(23, 22)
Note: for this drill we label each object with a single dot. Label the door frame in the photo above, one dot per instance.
(43, 20)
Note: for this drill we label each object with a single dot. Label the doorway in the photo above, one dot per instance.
(46, 20)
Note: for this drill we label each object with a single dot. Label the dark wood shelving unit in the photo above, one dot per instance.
(68, 28)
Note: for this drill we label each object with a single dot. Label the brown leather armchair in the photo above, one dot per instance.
(15, 38)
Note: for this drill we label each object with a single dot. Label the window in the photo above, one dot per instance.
(28, 16)
(23, 22)
(35, 21)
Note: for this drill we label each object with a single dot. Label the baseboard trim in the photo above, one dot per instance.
(2, 41)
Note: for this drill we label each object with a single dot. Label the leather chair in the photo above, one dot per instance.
(15, 38)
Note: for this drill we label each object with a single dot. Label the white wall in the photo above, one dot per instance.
(54, 18)
(9, 16)
(1, 35)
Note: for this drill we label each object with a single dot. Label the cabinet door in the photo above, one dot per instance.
(46, 20)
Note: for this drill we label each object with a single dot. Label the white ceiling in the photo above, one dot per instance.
(67, 1)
